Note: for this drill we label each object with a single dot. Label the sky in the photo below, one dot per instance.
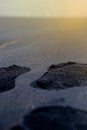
(43, 8)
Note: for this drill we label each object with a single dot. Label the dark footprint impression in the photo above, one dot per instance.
(8, 75)
(63, 76)
(54, 118)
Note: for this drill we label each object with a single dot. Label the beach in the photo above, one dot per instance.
(37, 44)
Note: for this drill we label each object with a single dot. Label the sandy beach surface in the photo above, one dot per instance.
(38, 46)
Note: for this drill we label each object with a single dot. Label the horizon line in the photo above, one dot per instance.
(4, 16)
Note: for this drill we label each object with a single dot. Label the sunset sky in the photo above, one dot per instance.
(43, 8)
